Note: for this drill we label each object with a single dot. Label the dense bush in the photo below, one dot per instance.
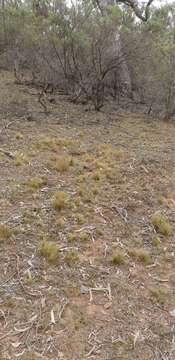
(92, 57)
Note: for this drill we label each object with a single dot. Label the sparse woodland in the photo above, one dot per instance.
(87, 180)
(94, 53)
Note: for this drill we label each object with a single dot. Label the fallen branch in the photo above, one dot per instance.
(121, 211)
(36, 294)
(103, 289)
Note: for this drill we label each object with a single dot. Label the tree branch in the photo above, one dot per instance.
(142, 14)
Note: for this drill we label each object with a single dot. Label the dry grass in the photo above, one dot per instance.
(71, 257)
(19, 136)
(84, 236)
(59, 200)
(77, 290)
(140, 255)
(80, 218)
(161, 224)
(60, 222)
(5, 232)
(159, 294)
(72, 237)
(156, 241)
(118, 258)
(46, 143)
(96, 176)
(19, 159)
(49, 251)
(62, 163)
(35, 183)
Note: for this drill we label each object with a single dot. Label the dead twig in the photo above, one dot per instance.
(21, 284)
(86, 228)
(6, 126)
(62, 309)
(122, 212)
(7, 153)
(103, 289)
(10, 278)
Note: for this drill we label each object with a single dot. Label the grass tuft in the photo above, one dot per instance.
(19, 159)
(80, 218)
(49, 251)
(5, 232)
(60, 222)
(162, 200)
(19, 136)
(84, 236)
(35, 183)
(161, 224)
(118, 259)
(96, 176)
(62, 163)
(71, 257)
(59, 200)
(46, 142)
(156, 241)
(159, 294)
(72, 237)
(140, 255)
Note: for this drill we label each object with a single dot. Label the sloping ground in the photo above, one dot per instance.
(87, 224)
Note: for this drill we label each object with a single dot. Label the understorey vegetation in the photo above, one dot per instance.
(93, 53)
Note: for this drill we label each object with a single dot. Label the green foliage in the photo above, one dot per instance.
(84, 56)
